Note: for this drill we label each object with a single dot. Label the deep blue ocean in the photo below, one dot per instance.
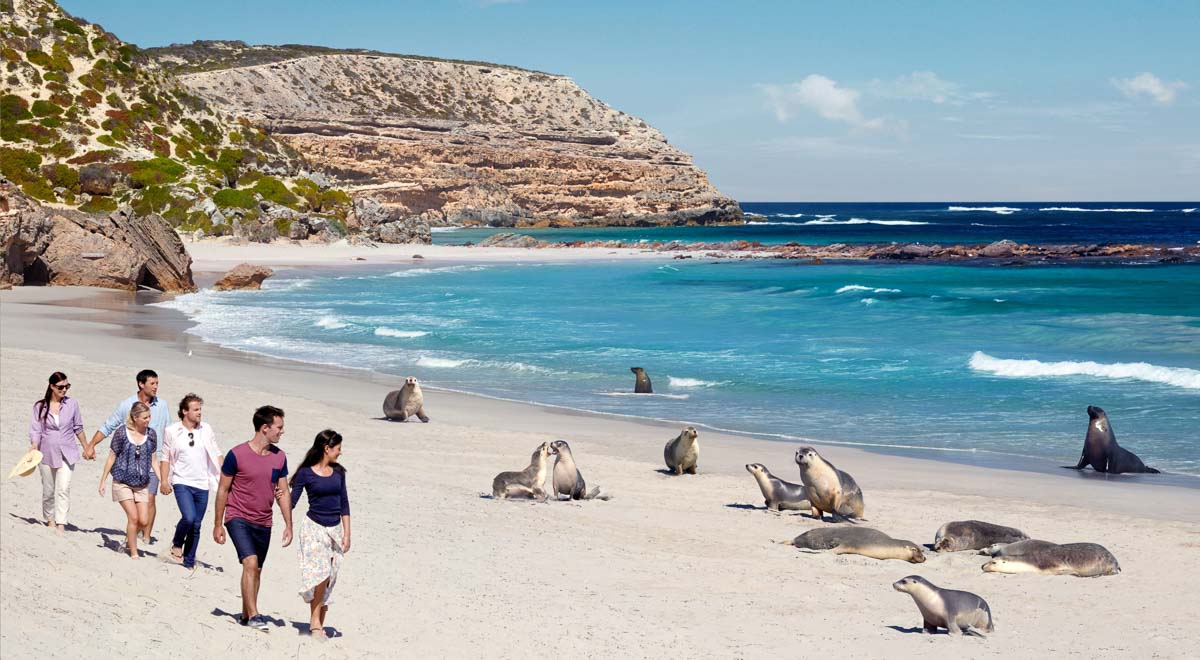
(962, 359)
(1154, 223)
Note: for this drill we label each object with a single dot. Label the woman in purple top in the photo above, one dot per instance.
(325, 531)
(131, 462)
(56, 426)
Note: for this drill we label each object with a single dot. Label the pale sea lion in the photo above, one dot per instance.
(1101, 451)
(859, 541)
(829, 489)
(405, 402)
(526, 484)
(973, 535)
(568, 480)
(1078, 559)
(960, 612)
(642, 384)
(779, 495)
(683, 452)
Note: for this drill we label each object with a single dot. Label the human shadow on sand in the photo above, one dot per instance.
(304, 629)
(236, 617)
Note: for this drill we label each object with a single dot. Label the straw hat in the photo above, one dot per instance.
(27, 464)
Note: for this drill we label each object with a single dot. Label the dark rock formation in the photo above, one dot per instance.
(243, 276)
(513, 240)
(404, 230)
(24, 234)
(97, 179)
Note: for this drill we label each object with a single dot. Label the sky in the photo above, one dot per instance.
(813, 101)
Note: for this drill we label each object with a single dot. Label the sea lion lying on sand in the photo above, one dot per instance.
(858, 541)
(1078, 559)
(526, 484)
(405, 402)
(973, 535)
(1101, 451)
(959, 612)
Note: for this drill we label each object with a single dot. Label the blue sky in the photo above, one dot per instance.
(814, 101)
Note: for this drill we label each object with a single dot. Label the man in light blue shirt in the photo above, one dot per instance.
(160, 417)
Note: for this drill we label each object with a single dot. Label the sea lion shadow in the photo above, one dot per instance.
(303, 628)
(917, 630)
(746, 506)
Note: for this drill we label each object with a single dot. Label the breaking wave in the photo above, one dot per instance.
(1175, 376)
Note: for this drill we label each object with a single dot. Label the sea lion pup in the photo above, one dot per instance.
(405, 402)
(960, 612)
(642, 384)
(829, 489)
(859, 541)
(1101, 451)
(973, 535)
(568, 480)
(526, 484)
(683, 451)
(779, 495)
(1078, 559)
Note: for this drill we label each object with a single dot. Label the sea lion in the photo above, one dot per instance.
(526, 484)
(1014, 549)
(960, 612)
(779, 495)
(1078, 559)
(1101, 451)
(642, 384)
(683, 452)
(859, 541)
(405, 402)
(973, 535)
(568, 480)
(828, 488)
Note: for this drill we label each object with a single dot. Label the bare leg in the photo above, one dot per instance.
(153, 511)
(316, 624)
(250, 576)
(131, 527)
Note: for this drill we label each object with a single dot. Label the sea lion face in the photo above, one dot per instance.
(560, 446)
(806, 456)
(690, 433)
(916, 556)
(910, 583)
(1006, 565)
(637, 370)
(546, 450)
(411, 381)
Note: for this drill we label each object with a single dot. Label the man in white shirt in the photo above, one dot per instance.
(191, 466)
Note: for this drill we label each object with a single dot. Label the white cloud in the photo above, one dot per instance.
(822, 96)
(925, 86)
(1148, 84)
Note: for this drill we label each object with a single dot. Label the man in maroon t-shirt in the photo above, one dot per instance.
(253, 476)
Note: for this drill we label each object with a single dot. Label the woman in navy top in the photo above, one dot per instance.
(325, 531)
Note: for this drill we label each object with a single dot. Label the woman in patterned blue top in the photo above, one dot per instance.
(131, 462)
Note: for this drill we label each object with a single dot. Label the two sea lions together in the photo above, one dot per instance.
(527, 483)
(568, 480)
(973, 535)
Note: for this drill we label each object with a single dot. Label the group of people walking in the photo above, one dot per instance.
(148, 455)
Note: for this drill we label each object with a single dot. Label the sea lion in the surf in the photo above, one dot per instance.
(642, 384)
(568, 480)
(1101, 451)
(973, 535)
(683, 452)
(859, 541)
(960, 612)
(779, 495)
(527, 483)
(1078, 559)
(829, 489)
(405, 402)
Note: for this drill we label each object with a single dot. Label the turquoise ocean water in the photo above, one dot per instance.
(963, 359)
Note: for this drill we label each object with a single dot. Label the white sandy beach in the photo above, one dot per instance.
(678, 566)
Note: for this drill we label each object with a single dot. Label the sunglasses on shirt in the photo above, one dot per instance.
(191, 438)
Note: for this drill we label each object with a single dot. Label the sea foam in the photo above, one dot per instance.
(862, 221)
(1002, 210)
(404, 334)
(1075, 209)
(330, 323)
(1176, 376)
(439, 363)
(688, 383)
(858, 287)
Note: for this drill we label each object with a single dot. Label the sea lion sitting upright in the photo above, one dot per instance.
(960, 612)
(405, 402)
(1101, 451)
(642, 385)
(568, 480)
(526, 484)
(973, 535)
(1078, 559)
(779, 495)
(829, 489)
(683, 452)
(859, 541)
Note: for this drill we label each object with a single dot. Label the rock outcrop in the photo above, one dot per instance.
(25, 230)
(480, 144)
(243, 276)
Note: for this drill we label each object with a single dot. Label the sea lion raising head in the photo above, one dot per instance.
(960, 612)
(779, 495)
(828, 488)
(1101, 451)
(405, 402)
(527, 483)
(682, 452)
(642, 384)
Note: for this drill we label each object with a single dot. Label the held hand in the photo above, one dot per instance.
(89, 453)
(165, 488)
(287, 536)
(219, 534)
(345, 543)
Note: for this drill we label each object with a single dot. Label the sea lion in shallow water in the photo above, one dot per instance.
(568, 480)
(683, 452)
(1078, 559)
(973, 535)
(959, 612)
(1101, 451)
(779, 495)
(828, 488)
(642, 384)
(405, 402)
(859, 541)
(527, 483)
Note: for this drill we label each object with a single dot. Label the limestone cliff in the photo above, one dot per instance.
(457, 142)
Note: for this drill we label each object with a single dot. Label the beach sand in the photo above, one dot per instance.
(679, 566)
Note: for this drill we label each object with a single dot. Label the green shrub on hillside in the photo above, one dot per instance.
(155, 171)
(42, 108)
(38, 57)
(228, 163)
(62, 149)
(69, 26)
(273, 190)
(13, 108)
(62, 176)
(242, 199)
(18, 165)
(99, 204)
